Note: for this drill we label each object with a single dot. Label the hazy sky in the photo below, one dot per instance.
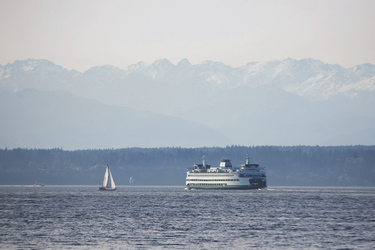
(80, 34)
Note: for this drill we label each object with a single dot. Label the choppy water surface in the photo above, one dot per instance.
(136, 217)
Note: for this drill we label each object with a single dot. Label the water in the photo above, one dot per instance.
(154, 217)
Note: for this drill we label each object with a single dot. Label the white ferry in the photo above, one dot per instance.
(247, 176)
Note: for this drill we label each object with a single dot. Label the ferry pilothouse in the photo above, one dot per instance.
(247, 176)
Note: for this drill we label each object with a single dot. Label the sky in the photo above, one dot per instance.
(80, 34)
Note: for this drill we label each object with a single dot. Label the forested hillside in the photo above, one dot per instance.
(285, 166)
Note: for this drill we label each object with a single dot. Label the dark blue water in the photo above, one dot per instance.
(148, 217)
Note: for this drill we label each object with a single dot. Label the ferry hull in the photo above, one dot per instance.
(253, 184)
(227, 187)
(248, 176)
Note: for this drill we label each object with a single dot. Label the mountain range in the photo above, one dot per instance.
(284, 102)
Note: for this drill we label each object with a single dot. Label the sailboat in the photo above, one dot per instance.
(38, 184)
(131, 181)
(108, 182)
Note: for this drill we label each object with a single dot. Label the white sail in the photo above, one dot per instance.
(105, 181)
(111, 183)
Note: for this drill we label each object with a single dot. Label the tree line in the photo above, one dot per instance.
(285, 166)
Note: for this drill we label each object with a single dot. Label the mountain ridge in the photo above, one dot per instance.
(280, 102)
(56, 119)
(297, 76)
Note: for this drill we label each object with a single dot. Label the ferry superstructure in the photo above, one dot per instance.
(247, 176)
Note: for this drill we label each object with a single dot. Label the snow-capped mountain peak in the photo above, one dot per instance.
(306, 77)
(299, 101)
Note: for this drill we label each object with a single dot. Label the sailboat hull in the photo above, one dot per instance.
(106, 189)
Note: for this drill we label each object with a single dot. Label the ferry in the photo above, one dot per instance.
(247, 176)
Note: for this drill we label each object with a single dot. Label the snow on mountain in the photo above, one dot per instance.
(103, 76)
(159, 69)
(218, 74)
(135, 68)
(307, 77)
(38, 74)
(274, 102)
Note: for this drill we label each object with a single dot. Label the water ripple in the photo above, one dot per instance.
(170, 217)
